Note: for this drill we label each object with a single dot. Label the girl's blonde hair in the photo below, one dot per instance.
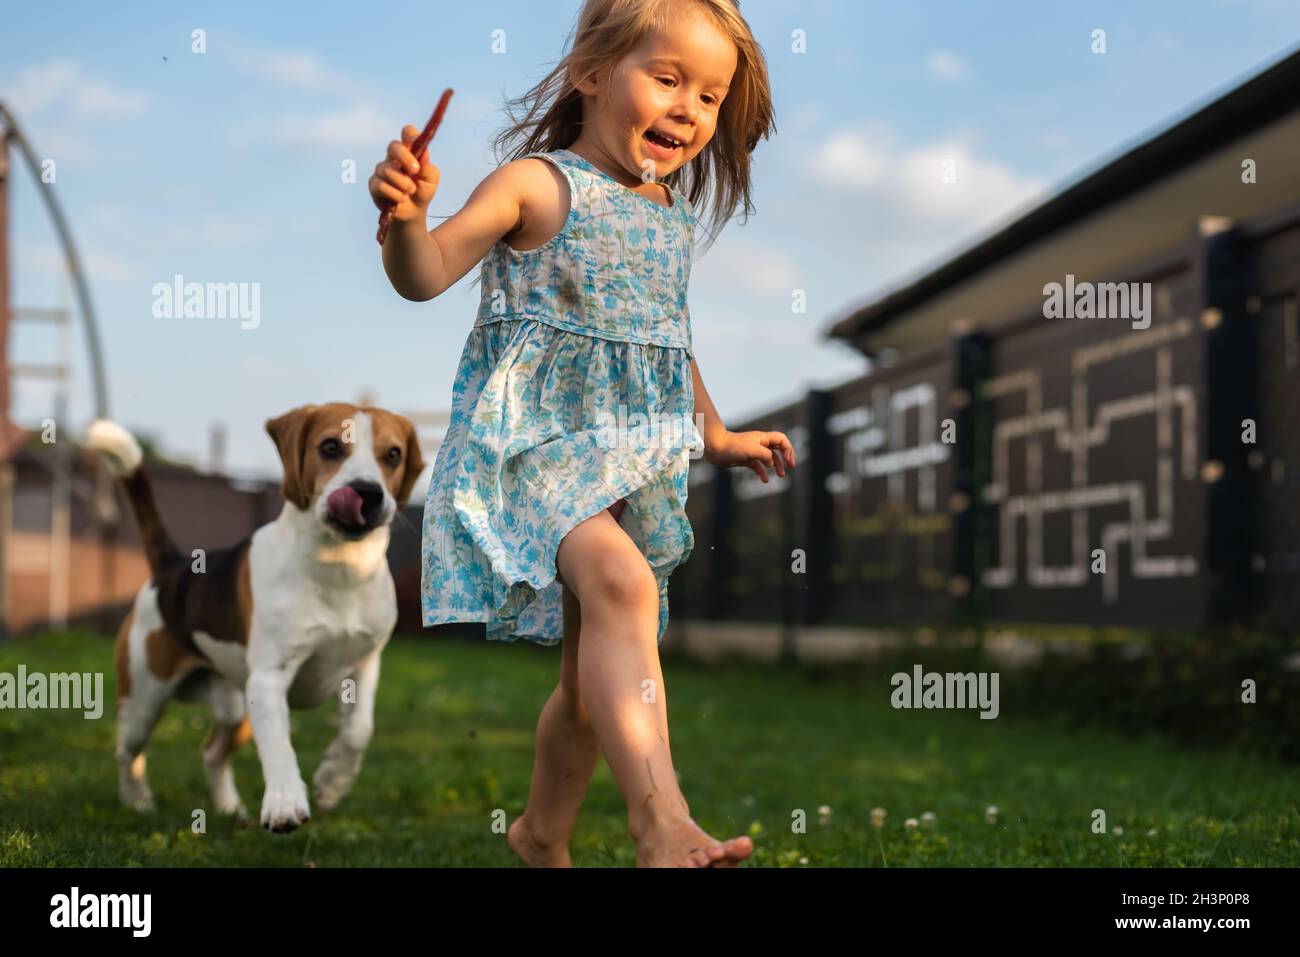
(605, 32)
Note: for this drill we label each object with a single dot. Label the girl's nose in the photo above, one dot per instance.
(683, 119)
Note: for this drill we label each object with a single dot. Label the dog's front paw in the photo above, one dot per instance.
(285, 807)
(237, 811)
(334, 777)
(144, 804)
(139, 797)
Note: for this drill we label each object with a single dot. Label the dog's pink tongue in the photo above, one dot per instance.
(345, 505)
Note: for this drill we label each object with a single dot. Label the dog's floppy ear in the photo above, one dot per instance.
(289, 432)
(412, 461)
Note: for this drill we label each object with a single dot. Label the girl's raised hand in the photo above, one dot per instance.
(756, 450)
(401, 182)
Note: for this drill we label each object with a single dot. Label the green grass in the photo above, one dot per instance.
(753, 743)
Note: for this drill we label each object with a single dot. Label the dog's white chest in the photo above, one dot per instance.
(327, 615)
(323, 675)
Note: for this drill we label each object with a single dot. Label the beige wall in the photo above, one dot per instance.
(29, 578)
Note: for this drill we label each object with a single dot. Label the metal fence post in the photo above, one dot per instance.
(970, 476)
(717, 603)
(1230, 387)
(818, 511)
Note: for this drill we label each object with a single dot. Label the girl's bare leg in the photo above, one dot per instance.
(623, 692)
(566, 757)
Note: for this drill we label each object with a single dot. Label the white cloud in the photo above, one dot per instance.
(359, 125)
(740, 264)
(39, 88)
(946, 65)
(909, 181)
(100, 99)
(848, 159)
(62, 142)
(983, 190)
(873, 207)
(300, 70)
(354, 125)
(710, 327)
(108, 266)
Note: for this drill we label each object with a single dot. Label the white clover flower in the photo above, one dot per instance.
(910, 824)
(927, 820)
(1117, 830)
(1151, 833)
(991, 814)
(824, 812)
(878, 815)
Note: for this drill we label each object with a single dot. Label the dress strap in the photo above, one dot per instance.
(562, 163)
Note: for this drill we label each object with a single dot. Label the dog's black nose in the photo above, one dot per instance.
(372, 499)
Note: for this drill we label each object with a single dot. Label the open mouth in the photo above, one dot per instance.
(663, 145)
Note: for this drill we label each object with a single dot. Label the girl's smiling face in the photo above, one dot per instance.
(672, 83)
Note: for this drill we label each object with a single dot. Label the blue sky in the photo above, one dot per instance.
(225, 167)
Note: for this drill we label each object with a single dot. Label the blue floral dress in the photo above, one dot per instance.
(573, 391)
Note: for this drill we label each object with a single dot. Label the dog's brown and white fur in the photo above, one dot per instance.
(280, 620)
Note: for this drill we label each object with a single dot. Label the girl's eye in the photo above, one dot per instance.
(710, 99)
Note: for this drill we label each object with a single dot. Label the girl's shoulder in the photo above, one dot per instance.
(547, 178)
(687, 206)
(545, 191)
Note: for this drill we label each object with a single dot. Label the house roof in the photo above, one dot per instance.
(1132, 208)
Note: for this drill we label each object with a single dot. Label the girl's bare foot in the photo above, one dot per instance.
(685, 844)
(531, 850)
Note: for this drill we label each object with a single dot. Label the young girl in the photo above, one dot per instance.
(586, 239)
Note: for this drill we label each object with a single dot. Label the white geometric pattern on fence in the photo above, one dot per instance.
(1074, 435)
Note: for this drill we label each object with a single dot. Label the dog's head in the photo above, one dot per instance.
(352, 466)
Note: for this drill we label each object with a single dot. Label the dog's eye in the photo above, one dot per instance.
(394, 455)
(330, 449)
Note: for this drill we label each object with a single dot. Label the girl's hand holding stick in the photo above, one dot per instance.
(392, 188)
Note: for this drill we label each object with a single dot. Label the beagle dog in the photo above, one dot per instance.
(293, 615)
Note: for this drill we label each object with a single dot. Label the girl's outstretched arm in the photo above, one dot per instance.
(422, 264)
(713, 428)
(756, 450)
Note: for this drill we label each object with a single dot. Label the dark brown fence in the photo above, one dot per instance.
(1060, 470)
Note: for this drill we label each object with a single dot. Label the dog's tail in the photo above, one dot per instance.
(126, 462)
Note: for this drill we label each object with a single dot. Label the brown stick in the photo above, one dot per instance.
(417, 148)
